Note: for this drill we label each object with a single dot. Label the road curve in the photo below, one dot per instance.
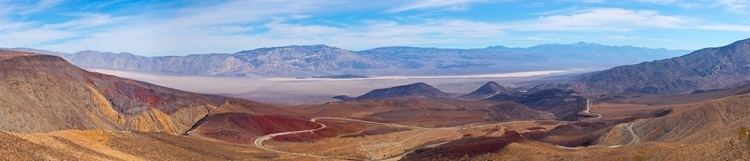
(634, 138)
(629, 127)
(258, 142)
(587, 111)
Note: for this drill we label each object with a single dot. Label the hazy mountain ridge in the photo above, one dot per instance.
(499, 58)
(317, 60)
(705, 69)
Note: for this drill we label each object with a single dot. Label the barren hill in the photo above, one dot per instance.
(487, 90)
(42, 93)
(410, 90)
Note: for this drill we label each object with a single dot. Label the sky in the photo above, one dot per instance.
(162, 27)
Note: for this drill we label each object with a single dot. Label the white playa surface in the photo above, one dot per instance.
(319, 90)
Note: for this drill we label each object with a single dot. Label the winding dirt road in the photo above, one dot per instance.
(628, 127)
(587, 111)
(258, 142)
(634, 138)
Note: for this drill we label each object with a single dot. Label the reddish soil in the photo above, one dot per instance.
(138, 93)
(576, 134)
(467, 147)
(380, 130)
(333, 129)
(243, 127)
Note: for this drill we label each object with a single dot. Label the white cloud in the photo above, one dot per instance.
(229, 32)
(604, 19)
(737, 6)
(245, 24)
(431, 4)
(726, 27)
(38, 6)
(31, 37)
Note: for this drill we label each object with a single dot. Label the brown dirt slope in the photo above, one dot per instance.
(135, 146)
(42, 93)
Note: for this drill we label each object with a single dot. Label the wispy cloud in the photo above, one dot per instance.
(726, 27)
(737, 6)
(604, 19)
(433, 4)
(234, 25)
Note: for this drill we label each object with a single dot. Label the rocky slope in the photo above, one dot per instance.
(321, 60)
(134, 146)
(410, 90)
(487, 90)
(42, 93)
(705, 69)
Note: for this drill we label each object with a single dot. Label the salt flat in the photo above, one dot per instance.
(284, 90)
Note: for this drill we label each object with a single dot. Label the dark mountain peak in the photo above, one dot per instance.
(738, 45)
(554, 92)
(491, 84)
(564, 104)
(411, 90)
(487, 90)
(343, 97)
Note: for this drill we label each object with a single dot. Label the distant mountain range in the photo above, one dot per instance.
(705, 69)
(322, 60)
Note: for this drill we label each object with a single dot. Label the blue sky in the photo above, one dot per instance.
(152, 27)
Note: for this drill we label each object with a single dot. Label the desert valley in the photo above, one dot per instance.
(55, 110)
(413, 81)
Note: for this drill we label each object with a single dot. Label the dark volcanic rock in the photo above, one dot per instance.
(343, 97)
(412, 90)
(564, 104)
(487, 90)
(705, 69)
